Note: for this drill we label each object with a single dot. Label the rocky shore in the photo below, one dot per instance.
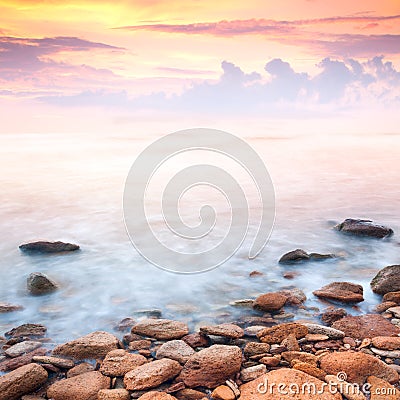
(257, 357)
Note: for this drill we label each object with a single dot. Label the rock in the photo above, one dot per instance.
(270, 302)
(395, 311)
(321, 257)
(140, 345)
(255, 348)
(152, 374)
(324, 330)
(190, 394)
(270, 361)
(119, 362)
(223, 393)
(366, 326)
(6, 308)
(364, 227)
(253, 274)
(94, 345)
(212, 366)
(177, 350)
(309, 369)
(125, 324)
(57, 362)
(348, 390)
(195, 340)
(277, 333)
(294, 296)
(23, 380)
(27, 330)
(345, 292)
(392, 296)
(386, 353)
(266, 387)
(48, 247)
(251, 373)
(162, 329)
(387, 280)
(316, 337)
(332, 315)
(156, 396)
(242, 303)
(300, 356)
(381, 390)
(357, 366)
(80, 369)
(9, 364)
(226, 330)
(297, 255)
(39, 284)
(113, 394)
(382, 307)
(82, 387)
(290, 343)
(22, 348)
(386, 342)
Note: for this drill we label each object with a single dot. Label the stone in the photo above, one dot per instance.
(364, 227)
(295, 296)
(357, 366)
(119, 362)
(39, 284)
(125, 324)
(152, 374)
(302, 356)
(386, 342)
(332, 315)
(22, 381)
(324, 330)
(27, 330)
(242, 303)
(113, 394)
(270, 302)
(321, 257)
(156, 396)
(290, 343)
(190, 394)
(226, 330)
(294, 256)
(140, 345)
(22, 348)
(195, 340)
(92, 346)
(266, 387)
(57, 362)
(392, 296)
(316, 337)
(395, 311)
(177, 350)
(309, 369)
(386, 280)
(386, 353)
(382, 307)
(272, 361)
(223, 392)
(348, 390)
(14, 363)
(48, 247)
(277, 333)
(381, 390)
(162, 329)
(80, 369)
(366, 326)
(82, 387)
(345, 292)
(212, 366)
(6, 308)
(251, 373)
(255, 348)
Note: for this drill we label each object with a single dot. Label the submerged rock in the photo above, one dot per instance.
(387, 280)
(270, 302)
(294, 256)
(29, 330)
(48, 247)
(345, 292)
(39, 284)
(6, 308)
(364, 227)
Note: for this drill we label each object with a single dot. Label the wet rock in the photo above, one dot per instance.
(23, 380)
(364, 227)
(48, 247)
(226, 330)
(321, 257)
(113, 394)
(57, 362)
(325, 330)
(254, 348)
(382, 307)
(156, 396)
(381, 390)
(125, 324)
(27, 330)
(152, 374)
(357, 366)
(177, 350)
(387, 280)
(6, 308)
(255, 274)
(294, 256)
(212, 366)
(251, 373)
(345, 292)
(119, 362)
(39, 284)
(82, 387)
(332, 315)
(270, 302)
(195, 340)
(223, 392)
(386, 342)
(392, 297)
(242, 303)
(266, 386)
(22, 348)
(80, 369)
(17, 362)
(95, 345)
(162, 329)
(366, 326)
(277, 333)
(295, 296)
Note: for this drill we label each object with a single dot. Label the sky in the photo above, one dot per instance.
(147, 66)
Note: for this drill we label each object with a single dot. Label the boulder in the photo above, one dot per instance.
(387, 280)
(212, 366)
(38, 284)
(294, 256)
(226, 330)
(363, 227)
(345, 292)
(270, 302)
(48, 247)
(21, 381)
(119, 362)
(177, 350)
(277, 333)
(162, 329)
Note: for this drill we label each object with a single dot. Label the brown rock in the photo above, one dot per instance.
(357, 366)
(82, 387)
(156, 396)
(332, 315)
(386, 342)
(139, 345)
(195, 340)
(223, 393)
(382, 307)
(38, 284)
(277, 333)
(57, 362)
(387, 280)
(364, 227)
(212, 366)
(162, 329)
(23, 380)
(295, 296)
(392, 296)
(17, 362)
(309, 369)
(294, 256)
(113, 394)
(22, 348)
(190, 394)
(119, 362)
(251, 373)
(345, 292)
(6, 308)
(95, 345)
(290, 342)
(152, 374)
(266, 387)
(366, 326)
(27, 330)
(48, 247)
(225, 330)
(255, 348)
(177, 350)
(381, 390)
(271, 361)
(80, 369)
(270, 302)
(300, 356)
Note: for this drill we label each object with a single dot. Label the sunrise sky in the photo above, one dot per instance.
(101, 66)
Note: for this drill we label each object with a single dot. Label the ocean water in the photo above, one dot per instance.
(70, 188)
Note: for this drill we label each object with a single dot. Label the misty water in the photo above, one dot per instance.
(70, 188)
